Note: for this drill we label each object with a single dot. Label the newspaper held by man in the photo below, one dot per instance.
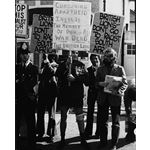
(113, 85)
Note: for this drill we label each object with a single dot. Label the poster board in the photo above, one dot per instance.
(21, 20)
(71, 28)
(41, 37)
(106, 32)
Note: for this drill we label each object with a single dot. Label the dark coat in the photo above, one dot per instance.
(130, 96)
(92, 91)
(71, 95)
(26, 79)
(102, 71)
(47, 85)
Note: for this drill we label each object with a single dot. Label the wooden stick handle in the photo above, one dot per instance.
(70, 57)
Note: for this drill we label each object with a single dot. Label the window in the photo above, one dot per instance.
(131, 49)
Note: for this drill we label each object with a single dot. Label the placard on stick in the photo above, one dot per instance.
(106, 32)
(41, 37)
(21, 20)
(71, 30)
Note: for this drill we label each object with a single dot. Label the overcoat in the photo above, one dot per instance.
(116, 70)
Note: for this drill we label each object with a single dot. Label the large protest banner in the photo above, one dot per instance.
(41, 37)
(71, 28)
(106, 32)
(21, 20)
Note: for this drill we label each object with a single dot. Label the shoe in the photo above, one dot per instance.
(96, 136)
(49, 139)
(113, 147)
(87, 137)
(85, 144)
(39, 138)
(62, 144)
(130, 138)
(102, 144)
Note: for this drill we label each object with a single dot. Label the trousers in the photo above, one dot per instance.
(104, 116)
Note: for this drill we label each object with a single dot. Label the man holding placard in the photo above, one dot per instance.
(71, 92)
(110, 97)
(71, 31)
(106, 32)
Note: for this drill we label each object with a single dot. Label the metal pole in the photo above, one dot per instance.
(122, 49)
(104, 5)
(123, 36)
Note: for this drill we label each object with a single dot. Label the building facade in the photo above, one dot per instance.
(118, 7)
(130, 46)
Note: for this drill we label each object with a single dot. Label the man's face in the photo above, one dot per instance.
(75, 55)
(95, 61)
(109, 59)
(24, 57)
(24, 46)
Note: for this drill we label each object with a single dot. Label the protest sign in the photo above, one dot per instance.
(106, 32)
(94, 5)
(21, 20)
(71, 28)
(41, 37)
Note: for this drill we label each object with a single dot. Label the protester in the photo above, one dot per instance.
(47, 94)
(26, 79)
(92, 96)
(129, 98)
(71, 92)
(112, 100)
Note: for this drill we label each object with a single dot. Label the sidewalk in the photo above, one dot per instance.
(72, 136)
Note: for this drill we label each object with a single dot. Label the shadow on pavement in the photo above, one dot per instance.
(74, 144)
(122, 142)
(122, 118)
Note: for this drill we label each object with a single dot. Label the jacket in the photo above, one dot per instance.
(116, 70)
(92, 91)
(26, 79)
(71, 95)
(48, 84)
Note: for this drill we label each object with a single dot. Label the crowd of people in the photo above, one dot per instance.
(65, 82)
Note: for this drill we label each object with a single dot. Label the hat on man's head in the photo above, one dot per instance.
(24, 51)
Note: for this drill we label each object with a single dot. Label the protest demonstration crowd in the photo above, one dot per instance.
(60, 85)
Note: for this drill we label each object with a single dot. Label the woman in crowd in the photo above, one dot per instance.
(47, 94)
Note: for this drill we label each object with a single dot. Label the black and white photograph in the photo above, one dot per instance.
(75, 75)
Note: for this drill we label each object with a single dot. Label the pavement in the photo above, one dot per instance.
(73, 140)
(72, 135)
